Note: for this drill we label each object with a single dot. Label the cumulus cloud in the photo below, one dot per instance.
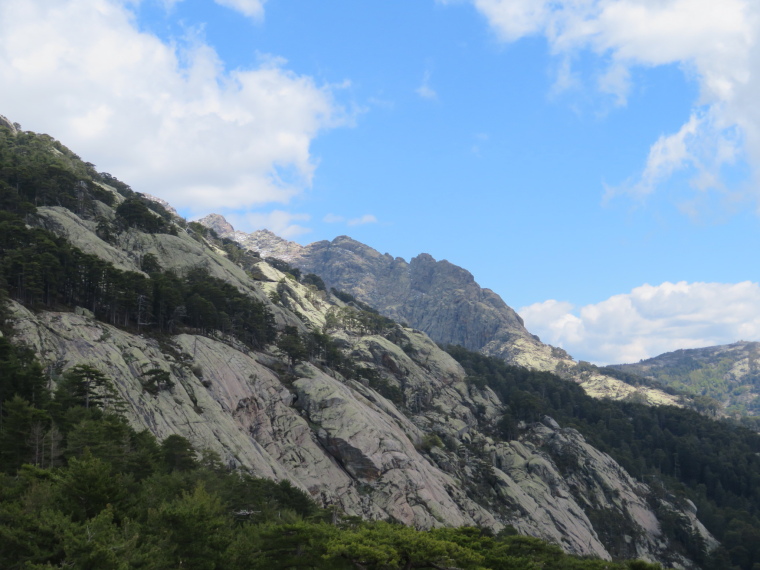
(715, 43)
(278, 221)
(166, 118)
(650, 320)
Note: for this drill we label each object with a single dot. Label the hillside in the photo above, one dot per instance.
(726, 378)
(275, 376)
(439, 298)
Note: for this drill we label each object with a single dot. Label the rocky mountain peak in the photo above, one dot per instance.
(5, 122)
(167, 206)
(439, 298)
(265, 242)
(219, 224)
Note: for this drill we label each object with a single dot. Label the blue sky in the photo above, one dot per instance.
(594, 162)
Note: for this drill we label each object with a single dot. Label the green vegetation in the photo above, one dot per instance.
(315, 280)
(41, 270)
(136, 213)
(284, 266)
(711, 374)
(714, 464)
(80, 488)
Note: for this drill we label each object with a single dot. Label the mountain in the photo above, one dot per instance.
(439, 298)
(726, 377)
(280, 377)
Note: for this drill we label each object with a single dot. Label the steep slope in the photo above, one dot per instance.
(359, 411)
(349, 446)
(729, 375)
(439, 298)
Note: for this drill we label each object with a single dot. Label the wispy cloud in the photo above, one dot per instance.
(360, 221)
(365, 219)
(425, 90)
(480, 140)
(250, 8)
(333, 219)
(650, 320)
(715, 43)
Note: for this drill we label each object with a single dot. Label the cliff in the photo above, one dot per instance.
(439, 298)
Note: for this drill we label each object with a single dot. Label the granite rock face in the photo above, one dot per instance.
(5, 122)
(439, 298)
(423, 460)
(435, 296)
(263, 241)
(404, 437)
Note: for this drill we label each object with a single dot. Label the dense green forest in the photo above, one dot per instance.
(715, 464)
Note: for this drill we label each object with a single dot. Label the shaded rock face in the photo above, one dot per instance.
(435, 296)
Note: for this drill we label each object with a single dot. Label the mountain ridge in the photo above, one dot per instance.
(723, 377)
(438, 297)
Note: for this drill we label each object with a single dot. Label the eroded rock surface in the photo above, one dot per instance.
(405, 436)
(439, 298)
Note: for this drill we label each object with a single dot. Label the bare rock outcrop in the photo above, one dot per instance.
(403, 436)
(5, 122)
(349, 446)
(439, 298)
(265, 242)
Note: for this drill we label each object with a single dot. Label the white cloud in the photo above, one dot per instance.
(277, 221)
(650, 320)
(168, 120)
(424, 90)
(250, 8)
(360, 221)
(365, 219)
(715, 43)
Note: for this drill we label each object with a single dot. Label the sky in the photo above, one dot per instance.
(594, 162)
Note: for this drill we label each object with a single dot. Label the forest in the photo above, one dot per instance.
(715, 464)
